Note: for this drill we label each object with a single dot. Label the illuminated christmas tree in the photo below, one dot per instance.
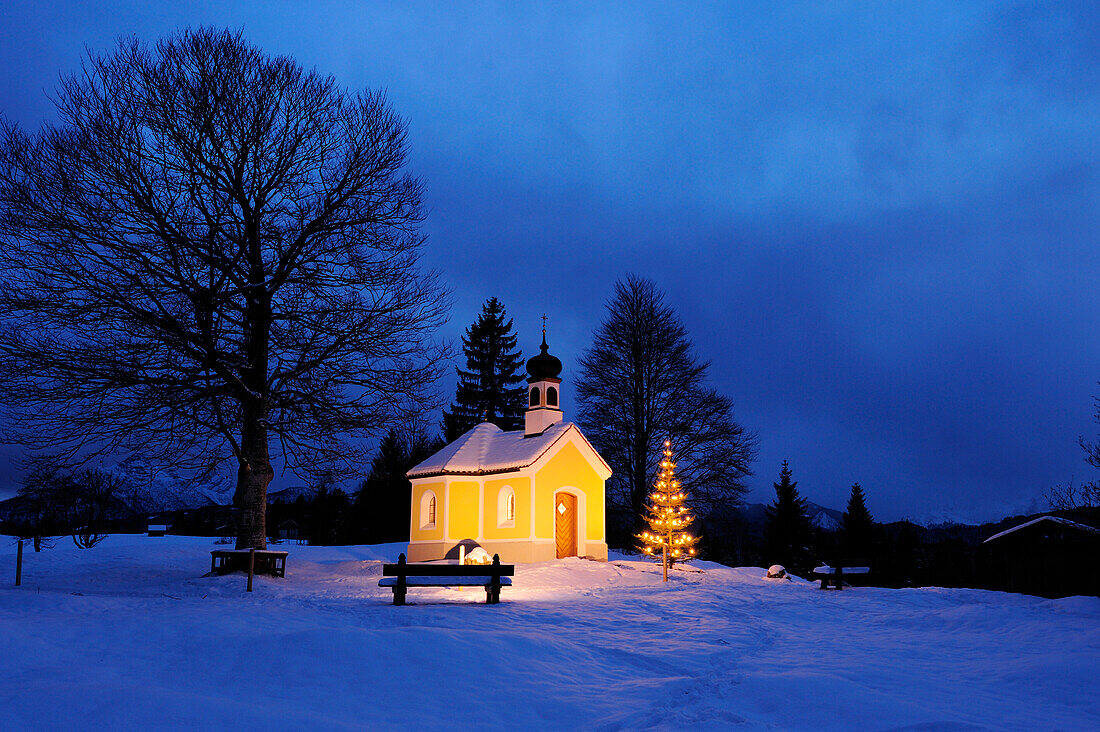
(668, 516)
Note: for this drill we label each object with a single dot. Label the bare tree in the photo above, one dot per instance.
(58, 501)
(1070, 496)
(1089, 493)
(39, 512)
(641, 384)
(1086, 495)
(213, 249)
(90, 498)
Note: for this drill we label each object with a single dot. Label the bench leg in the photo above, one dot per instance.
(398, 595)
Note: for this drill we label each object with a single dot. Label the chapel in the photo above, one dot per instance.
(529, 495)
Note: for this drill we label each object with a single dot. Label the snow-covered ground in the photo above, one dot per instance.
(130, 635)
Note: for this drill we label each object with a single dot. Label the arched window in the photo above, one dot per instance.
(534, 396)
(551, 396)
(427, 510)
(506, 507)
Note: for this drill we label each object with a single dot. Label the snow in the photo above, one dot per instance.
(826, 569)
(488, 449)
(1055, 519)
(477, 555)
(129, 633)
(151, 488)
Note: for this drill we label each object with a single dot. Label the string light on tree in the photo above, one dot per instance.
(668, 517)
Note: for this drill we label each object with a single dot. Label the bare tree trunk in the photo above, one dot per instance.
(253, 477)
(254, 472)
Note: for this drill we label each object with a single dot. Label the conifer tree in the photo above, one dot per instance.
(383, 503)
(857, 526)
(490, 388)
(787, 529)
(668, 516)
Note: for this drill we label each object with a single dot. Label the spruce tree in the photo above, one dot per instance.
(383, 504)
(787, 529)
(857, 527)
(490, 388)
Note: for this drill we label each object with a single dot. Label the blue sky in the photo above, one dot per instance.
(878, 220)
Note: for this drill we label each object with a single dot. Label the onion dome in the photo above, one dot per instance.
(543, 366)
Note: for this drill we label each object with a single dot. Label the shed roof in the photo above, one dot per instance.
(1065, 522)
(488, 449)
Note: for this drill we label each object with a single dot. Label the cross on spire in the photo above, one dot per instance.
(544, 330)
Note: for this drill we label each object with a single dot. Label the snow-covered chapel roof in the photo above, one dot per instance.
(488, 449)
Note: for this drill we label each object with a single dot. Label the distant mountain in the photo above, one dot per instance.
(290, 493)
(152, 489)
(826, 519)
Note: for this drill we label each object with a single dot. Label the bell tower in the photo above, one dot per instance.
(543, 391)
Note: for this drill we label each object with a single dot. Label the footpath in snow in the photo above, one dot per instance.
(130, 635)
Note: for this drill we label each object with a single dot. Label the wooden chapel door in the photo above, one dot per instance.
(565, 524)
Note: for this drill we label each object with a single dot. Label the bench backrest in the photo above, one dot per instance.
(244, 553)
(402, 568)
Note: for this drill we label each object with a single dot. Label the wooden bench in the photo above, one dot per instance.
(268, 561)
(833, 575)
(401, 576)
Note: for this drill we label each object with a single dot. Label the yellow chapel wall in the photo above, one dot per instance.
(462, 509)
(522, 528)
(569, 468)
(415, 532)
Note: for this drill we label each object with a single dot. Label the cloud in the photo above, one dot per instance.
(877, 219)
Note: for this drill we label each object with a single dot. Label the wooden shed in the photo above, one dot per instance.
(289, 530)
(1047, 556)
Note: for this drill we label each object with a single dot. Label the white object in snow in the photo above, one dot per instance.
(477, 555)
(777, 571)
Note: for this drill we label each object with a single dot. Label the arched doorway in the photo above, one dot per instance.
(565, 524)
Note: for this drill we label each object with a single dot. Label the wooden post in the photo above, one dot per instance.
(401, 587)
(664, 560)
(19, 564)
(251, 566)
(493, 596)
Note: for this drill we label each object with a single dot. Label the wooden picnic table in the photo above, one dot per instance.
(267, 561)
(833, 575)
